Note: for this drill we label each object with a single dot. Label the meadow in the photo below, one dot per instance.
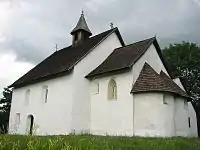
(90, 142)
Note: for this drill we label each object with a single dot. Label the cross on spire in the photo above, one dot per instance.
(111, 25)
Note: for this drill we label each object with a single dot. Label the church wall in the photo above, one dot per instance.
(181, 117)
(113, 117)
(81, 97)
(151, 116)
(53, 117)
(191, 113)
(193, 120)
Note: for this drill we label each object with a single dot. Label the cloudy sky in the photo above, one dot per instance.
(29, 29)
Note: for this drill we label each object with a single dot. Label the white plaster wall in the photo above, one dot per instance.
(112, 117)
(181, 117)
(193, 119)
(116, 117)
(193, 131)
(152, 58)
(54, 117)
(151, 116)
(81, 112)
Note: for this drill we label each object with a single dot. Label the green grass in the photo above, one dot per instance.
(89, 142)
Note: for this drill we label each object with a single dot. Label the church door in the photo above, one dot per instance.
(30, 122)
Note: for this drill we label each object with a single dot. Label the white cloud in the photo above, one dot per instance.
(11, 69)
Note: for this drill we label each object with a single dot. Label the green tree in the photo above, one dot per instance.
(5, 104)
(183, 60)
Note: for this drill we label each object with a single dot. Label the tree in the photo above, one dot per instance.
(5, 104)
(183, 61)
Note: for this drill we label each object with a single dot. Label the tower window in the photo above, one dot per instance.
(112, 90)
(75, 37)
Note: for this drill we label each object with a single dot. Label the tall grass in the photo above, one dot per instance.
(89, 142)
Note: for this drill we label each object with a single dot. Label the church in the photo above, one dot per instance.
(101, 86)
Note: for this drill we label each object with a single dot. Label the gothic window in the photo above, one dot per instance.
(27, 97)
(112, 90)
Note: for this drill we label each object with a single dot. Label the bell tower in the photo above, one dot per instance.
(81, 32)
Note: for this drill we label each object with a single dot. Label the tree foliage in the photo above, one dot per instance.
(184, 61)
(5, 104)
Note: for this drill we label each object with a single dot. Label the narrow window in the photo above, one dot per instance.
(45, 93)
(189, 122)
(164, 99)
(112, 90)
(27, 97)
(17, 121)
(95, 88)
(185, 104)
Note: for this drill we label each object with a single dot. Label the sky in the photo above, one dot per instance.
(30, 29)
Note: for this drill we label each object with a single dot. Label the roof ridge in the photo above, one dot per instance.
(136, 43)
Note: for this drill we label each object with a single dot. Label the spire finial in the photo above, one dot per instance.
(111, 25)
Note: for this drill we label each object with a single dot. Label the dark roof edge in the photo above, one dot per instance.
(159, 91)
(108, 72)
(45, 78)
(114, 30)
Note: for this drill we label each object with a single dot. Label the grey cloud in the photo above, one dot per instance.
(37, 25)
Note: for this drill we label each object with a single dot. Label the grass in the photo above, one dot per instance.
(89, 142)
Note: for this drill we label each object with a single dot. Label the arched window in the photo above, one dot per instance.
(17, 121)
(27, 97)
(112, 90)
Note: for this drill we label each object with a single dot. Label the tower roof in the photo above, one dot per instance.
(82, 25)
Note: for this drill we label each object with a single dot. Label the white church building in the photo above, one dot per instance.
(101, 86)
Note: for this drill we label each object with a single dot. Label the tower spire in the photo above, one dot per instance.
(82, 25)
(81, 31)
